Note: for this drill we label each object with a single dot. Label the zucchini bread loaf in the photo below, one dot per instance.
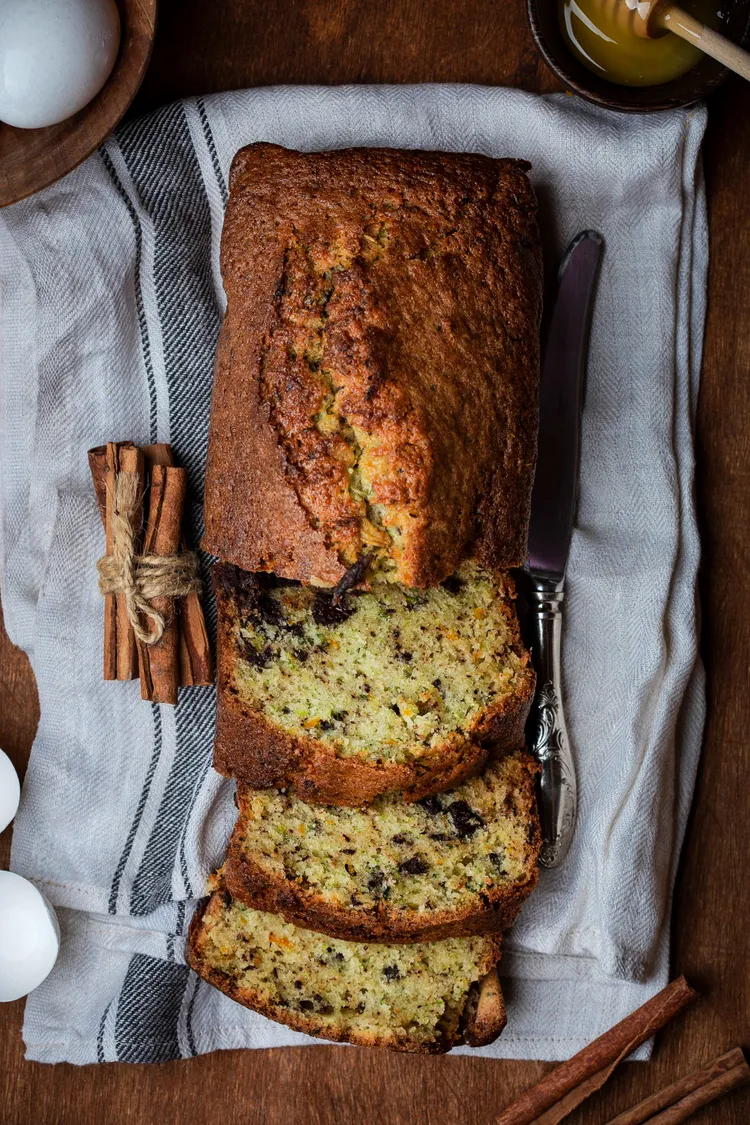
(375, 397)
(425, 997)
(453, 865)
(388, 690)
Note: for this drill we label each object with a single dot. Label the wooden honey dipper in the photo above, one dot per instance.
(651, 18)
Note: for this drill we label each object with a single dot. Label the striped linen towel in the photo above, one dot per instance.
(111, 301)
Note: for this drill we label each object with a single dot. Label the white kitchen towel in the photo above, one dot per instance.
(111, 303)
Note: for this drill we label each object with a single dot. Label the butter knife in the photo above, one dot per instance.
(553, 506)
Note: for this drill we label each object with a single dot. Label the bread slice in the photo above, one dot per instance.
(452, 865)
(377, 377)
(425, 997)
(390, 690)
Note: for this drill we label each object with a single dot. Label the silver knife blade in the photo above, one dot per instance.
(552, 513)
(561, 387)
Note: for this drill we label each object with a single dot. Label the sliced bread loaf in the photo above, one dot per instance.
(425, 997)
(452, 865)
(388, 690)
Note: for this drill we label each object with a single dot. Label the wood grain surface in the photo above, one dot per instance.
(204, 47)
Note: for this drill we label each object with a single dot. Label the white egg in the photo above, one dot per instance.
(29, 937)
(55, 55)
(10, 791)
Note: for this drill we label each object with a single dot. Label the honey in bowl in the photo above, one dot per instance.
(604, 43)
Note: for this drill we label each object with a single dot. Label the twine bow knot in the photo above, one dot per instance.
(141, 578)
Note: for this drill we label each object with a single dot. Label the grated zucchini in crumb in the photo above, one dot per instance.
(393, 991)
(440, 853)
(389, 673)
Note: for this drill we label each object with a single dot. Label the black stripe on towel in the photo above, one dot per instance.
(165, 171)
(114, 890)
(211, 145)
(164, 168)
(148, 1010)
(100, 1037)
(142, 323)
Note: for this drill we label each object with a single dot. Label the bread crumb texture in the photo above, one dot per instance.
(385, 995)
(441, 853)
(387, 674)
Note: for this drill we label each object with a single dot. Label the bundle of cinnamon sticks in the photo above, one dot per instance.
(153, 620)
(568, 1085)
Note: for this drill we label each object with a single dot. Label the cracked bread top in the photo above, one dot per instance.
(377, 372)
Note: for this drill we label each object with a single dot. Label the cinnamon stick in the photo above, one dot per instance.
(120, 650)
(688, 1094)
(98, 466)
(602, 1055)
(196, 665)
(159, 663)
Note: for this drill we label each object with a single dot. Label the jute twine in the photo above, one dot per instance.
(141, 578)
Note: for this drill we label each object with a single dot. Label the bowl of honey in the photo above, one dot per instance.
(591, 49)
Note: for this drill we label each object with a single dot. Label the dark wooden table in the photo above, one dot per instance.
(203, 47)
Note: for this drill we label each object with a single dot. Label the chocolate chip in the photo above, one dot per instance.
(377, 884)
(401, 839)
(441, 836)
(339, 716)
(338, 956)
(432, 805)
(438, 683)
(325, 724)
(353, 576)
(498, 860)
(453, 585)
(361, 1007)
(239, 585)
(302, 654)
(269, 610)
(391, 972)
(259, 658)
(326, 613)
(348, 851)
(394, 707)
(465, 820)
(414, 866)
(404, 657)
(298, 984)
(306, 1005)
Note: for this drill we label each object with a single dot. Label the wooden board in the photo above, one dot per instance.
(202, 48)
(32, 158)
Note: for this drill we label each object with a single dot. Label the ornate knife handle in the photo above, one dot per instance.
(551, 748)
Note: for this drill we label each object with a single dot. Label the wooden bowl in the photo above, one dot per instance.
(32, 158)
(691, 87)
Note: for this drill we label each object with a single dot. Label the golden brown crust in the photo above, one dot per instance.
(383, 316)
(305, 1022)
(485, 1016)
(248, 882)
(252, 750)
